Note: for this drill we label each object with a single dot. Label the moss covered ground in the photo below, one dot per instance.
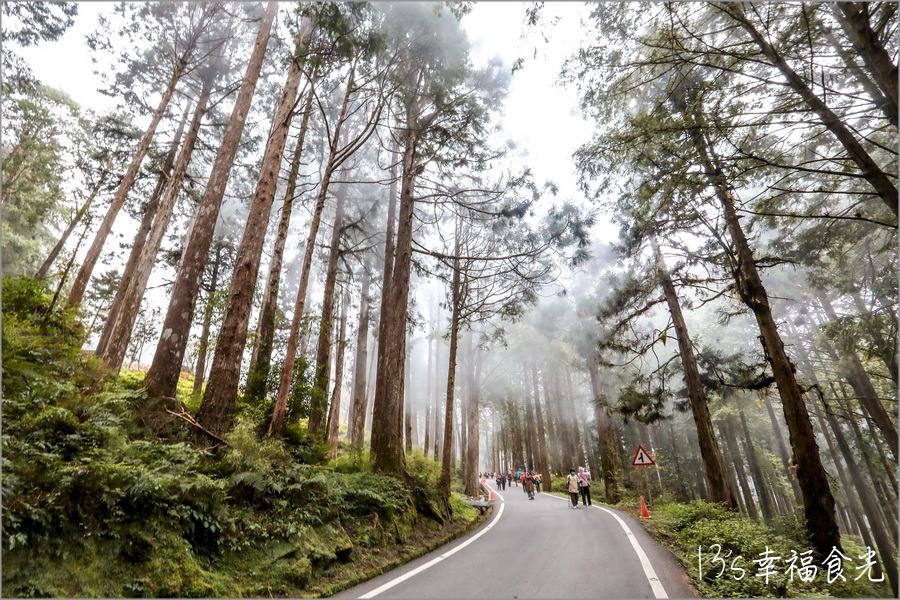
(94, 505)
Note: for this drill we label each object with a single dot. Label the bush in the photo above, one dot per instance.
(701, 526)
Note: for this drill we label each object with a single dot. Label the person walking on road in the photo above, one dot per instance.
(537, 482)
(503, 482)
(572, 487)
(529, 485)
(584, 484)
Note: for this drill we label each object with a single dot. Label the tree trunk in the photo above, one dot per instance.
(127, 303)
(473, 433)
(709, 447)
(358, 412)
(408, 417)
(276, 426)
(150, 209)
(817, 497)
(852, 498)
(765, 495)
(334, 413)
(555, 444)
(864, 389)
(883, 102)
(93, 253)
(428, 396)
(265, 328)
(217, 408)
(387, 434)
(543, 466)
(870, 170)
(886, 351)
(200, 370)
(162, 378)
(878, 61)
(323, 349)
(79, 215)
(729, 436)
(456, 301)
(782, 449)
(882, 540)
(607, 445)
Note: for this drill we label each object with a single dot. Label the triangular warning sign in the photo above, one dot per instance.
(641, 458)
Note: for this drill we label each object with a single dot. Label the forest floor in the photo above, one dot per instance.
(94, 505)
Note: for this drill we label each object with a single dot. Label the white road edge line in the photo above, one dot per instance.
(652, 579)
(431, 563)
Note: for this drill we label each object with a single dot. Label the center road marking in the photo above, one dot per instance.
(431, 563)
(652, 579)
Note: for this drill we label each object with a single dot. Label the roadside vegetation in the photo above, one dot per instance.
(95, 505)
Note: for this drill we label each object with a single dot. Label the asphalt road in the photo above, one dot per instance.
(540, 548)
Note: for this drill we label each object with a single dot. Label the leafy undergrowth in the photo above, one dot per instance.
(95, 506)
(686, 528)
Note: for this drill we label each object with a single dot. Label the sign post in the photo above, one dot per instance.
(643, 459)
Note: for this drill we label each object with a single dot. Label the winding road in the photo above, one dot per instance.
(540, 548)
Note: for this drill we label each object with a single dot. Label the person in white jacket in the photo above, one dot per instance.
(572, 487)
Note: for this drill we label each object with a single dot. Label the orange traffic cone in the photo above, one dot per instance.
(492, 496)
(644, 513)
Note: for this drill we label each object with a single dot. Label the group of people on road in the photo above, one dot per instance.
(579, 483)
(530, 480)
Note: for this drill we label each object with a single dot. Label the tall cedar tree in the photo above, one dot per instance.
(162, 377)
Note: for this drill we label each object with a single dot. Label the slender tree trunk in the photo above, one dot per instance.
(882, 540)
(864, 389)
(370, 389)
(428, 396)
(200, 370)
(765, 495)
(407, 405)
(447, 456)
(276, 426)
(334, 412)
(217, 408)
(473, 435)
(870, 170)
(729, 436)
(886, 350)
(358, 420)
(162, 377)
(555, 444)
(93, 253)
(543, 466)
(709, 447)
(265, 328)
(127, 303)
(61, 242)
(782, 450)
(438, 405)
(150, 209)
(817, 497)
(323, 349)
(883, 102)
(854, 17)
